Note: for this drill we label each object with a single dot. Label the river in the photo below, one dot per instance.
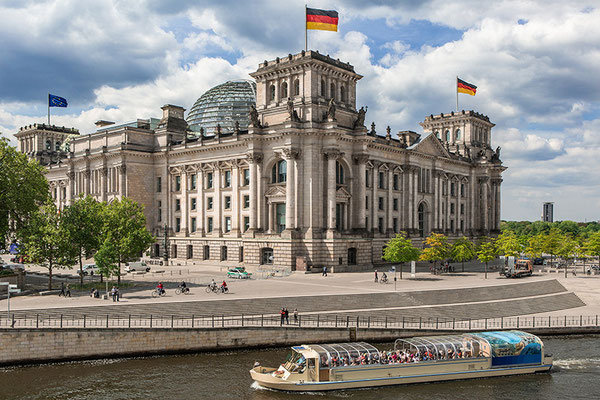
(225, 375)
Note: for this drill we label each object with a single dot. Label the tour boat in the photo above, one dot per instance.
(337, 366)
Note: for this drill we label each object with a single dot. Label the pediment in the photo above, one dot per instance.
(431, 145)
(275, 191)
(342, 194)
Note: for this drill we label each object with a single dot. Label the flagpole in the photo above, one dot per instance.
(456, 88)
(305, 29)
(48, 109)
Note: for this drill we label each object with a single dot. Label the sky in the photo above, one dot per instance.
(536, 65)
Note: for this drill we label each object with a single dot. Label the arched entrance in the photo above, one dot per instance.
(422, 218)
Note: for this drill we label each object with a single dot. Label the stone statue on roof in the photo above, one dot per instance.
(331, 110)
(253, 116)
(360, 119)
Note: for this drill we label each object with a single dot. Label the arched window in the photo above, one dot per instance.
(332, 91)
(297, 87)
(421, 217)
(284, 90)
(323, 88)
(279, 172)
(457, 136)
(57, 148)
(437, 134)
(272, 92)
(447, 136)
(339, 173)
(343, 93)
(48, 145)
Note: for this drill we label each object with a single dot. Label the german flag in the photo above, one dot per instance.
(324, 20)
(464, 87)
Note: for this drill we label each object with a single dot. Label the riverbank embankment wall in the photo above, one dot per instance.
(30, 346)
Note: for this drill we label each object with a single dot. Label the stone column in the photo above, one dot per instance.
(235, 199)
(498, 200)
(332, 156)
(390, 201)
(360, 203)
(103, 183)
(260, 185)
(436, 205)
(484, 181)
(123, 181)
(87, 181)
(71, 187)
(200, 212)
(374, 197)
(218, 211)
(253, 160)
(448, 184)
(410, 197)
(290, 188)
(184, 206)
(271, 217)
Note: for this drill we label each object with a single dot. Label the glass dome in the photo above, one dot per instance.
(223, 105)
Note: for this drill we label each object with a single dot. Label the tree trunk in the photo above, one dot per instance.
(80, 270)
(463, 266)
(50, 276)
(401, 265)
(119, 273)
(486, 269)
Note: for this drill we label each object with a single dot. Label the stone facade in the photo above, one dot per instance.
(306, 183)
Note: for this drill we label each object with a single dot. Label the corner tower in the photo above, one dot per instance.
(310, 80)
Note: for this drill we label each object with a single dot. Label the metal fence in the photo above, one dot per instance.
(304, 320)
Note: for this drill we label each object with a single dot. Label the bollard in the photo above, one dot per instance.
(517, 322)
(565, 321)
(84, 320)
(580, 320)
(469, 323)
(262, 319)
(453, 323)
(549, 321)
(402, 322)
(317, 320)
(192, 320)
(13, 321)
(150, 320)
(61, 320)
(213, 320)
(596, 319)
(242, 320)
(347, 321)
(336, 320)
(107, 320)
(299, 321)
(486, 324)
(357, 321)
(437, 323)
(223, 320)
(534, 322)
(37, 320)
(171, 321)
(369, 322)
(386, 322)
(420, 320)
(501, 322)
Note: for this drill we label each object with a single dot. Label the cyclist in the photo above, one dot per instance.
(160, 288)
(224, 287)
(213, 284)
(183, 287)
(384, 277)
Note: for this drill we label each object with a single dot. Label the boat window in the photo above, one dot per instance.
(443, 347)
(296, 362)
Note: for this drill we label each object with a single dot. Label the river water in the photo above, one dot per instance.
(224, 375)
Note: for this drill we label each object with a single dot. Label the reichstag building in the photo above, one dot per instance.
(282, 171)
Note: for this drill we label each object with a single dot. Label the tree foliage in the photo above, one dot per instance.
(592, 245)
(508, 244)
(23, 189)
(437, 248)
(125, 235)
(486, 252)
(45, 241)
(462, 250)
(400, 250)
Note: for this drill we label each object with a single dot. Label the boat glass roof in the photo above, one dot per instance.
(346, 350)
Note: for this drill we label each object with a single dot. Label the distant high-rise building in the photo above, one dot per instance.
(548, 212)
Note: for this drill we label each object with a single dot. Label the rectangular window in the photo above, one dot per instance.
(193, 225)
(177, 183)
(246, 223)
(381, 203)
(380, 225)
(367, 202)
(159, 184)
(227, 179)
(246, 177)
(462, 209)
(241, 253)
(190, 251)
(223, 253)
(209, 203)
(395, 225)
(206, 252)
(159, 211)
(367, 178)
(280, 217)
(451, 208)
(395, 204)
(177, 205)
(396, 182)
(452, 189)
(227, 202)
(452, 225)
(246, 201)
(462, 190)
(177, 224)
(227, 224)
(381, 180)
(209, 180)
(462, 225)
(193, 182)
(209, 224)
(193, 205)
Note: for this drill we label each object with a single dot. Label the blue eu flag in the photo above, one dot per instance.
(56, 101)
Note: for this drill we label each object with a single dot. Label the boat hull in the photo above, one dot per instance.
(269, 381)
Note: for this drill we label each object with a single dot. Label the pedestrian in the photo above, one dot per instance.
(324, 271)
(118, 294)
(376, 277)
(295, 315)
(68, 290)
(62, 289)
(287, 316)
(282, 315)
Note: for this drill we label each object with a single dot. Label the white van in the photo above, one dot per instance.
(90, 269)
(137, 266)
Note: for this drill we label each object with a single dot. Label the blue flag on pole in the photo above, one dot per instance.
(56, 101)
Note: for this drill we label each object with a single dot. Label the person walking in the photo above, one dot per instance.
(282, 315)
(295, 315)
(324, 271)
(62, 289)
(68, 290)
(287, 316)
(118, 294)
(376, 277)
(113, 293)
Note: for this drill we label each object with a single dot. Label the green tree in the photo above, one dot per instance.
(437, 248)
(23, 189)
(508, 244)
(400, 250)
(535, 246)
(125, 233)
(592, 246)
(45, 240)
(551, 242)
(462, 250)
(107, 259)
(567, 249)
(486, 252)
(83, 221)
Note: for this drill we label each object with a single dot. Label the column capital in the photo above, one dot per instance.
(360, 158)
(332, 154)
(497, 181)
(254, 158)
(290, 154)
(483, 179)
(104, 171)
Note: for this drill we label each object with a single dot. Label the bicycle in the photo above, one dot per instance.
(383, 280)
(155, 293)
(180, 290)
(213, 288)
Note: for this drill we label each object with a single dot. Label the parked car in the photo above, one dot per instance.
(238, 273)
(89, 269)
(538, 261)
(137, 266)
